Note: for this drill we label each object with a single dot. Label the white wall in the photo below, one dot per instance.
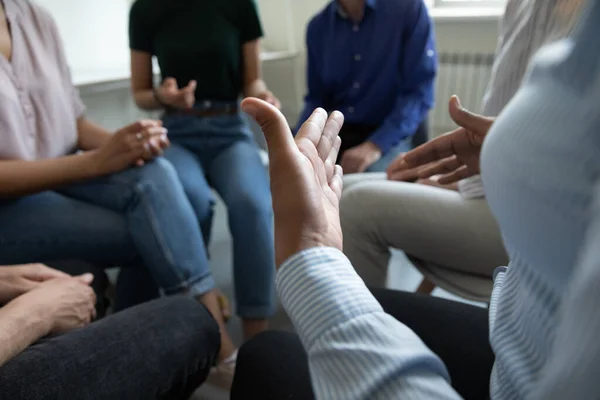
(95, 36)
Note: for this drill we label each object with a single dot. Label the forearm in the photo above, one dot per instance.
(255, 88)
(341, 323)
(91, 136)
(20, 178)
(146, 100)
(20, 326)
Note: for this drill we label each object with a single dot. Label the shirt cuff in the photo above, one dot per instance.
(320, 290)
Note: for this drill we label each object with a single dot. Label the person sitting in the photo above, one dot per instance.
(70, 190)
(50, 348)
(451, 233)
(375, 61)
(208, 53)
(542, 186)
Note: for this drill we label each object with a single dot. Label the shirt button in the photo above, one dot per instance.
(351, 109)
(355, 28)
(357, 57)
(430, 53)
(356, 85)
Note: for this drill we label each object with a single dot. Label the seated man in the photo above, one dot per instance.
(49, 349)
(454, 235)
(375, 61)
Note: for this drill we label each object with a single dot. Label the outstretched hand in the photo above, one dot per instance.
(454, 155)
(306, 185)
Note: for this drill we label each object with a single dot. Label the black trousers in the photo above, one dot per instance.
(274, 365)
(158, 350)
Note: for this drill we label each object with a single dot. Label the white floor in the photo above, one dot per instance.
(402, 276)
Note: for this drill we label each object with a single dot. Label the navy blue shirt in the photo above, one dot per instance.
(378, 72)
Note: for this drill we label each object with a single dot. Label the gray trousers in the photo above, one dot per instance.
(458, 240)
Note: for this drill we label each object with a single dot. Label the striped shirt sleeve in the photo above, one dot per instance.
(355, 349)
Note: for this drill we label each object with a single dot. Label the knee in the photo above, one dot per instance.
(160, 171)
(251, 205)
(187, 323)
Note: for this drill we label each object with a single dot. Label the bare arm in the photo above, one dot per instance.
(20, 178)
(20, 326)
(253, 83)
(91, 136)
(141, 81)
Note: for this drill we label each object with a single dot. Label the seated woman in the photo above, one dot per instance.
(130, 355)
(208, 52)
(71, 190)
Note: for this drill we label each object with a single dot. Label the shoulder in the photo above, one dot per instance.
(143, 9)
(38, 16)
(401, 10)
(321, 19)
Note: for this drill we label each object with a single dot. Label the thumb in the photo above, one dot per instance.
(85, 278)
(466, 119)
(273, 124)
(191, 87)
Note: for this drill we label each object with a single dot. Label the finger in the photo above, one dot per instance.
(313, 128)
(330, 163)
(445, 166)
(41, 273)
(404, 175)
(273, 124)
(458, 175)
(329, 134)
(337, 181)
(85, 278)
(139, 126)
(466, 119)
(155, 147)
(170, 82)
(395, 164)
(191, 87)
(434, 150)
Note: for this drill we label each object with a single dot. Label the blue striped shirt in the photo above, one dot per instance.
(541, 172)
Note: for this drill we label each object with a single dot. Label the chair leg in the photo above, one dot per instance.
(426, 286)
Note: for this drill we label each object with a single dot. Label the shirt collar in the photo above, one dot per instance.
(337, 9)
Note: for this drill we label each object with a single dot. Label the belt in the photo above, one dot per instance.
(206, 109)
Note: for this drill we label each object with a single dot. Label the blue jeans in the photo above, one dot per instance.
(220, 152)
(140, 216)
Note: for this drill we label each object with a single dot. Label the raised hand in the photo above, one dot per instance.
(131, 145)
(171, 95)
(454, 155)
(306, 185)
(19, 279)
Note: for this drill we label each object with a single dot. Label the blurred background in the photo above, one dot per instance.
(97, 51)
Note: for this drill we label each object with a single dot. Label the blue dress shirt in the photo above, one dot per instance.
(379, 71)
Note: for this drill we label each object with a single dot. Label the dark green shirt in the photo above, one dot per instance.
(197, 39)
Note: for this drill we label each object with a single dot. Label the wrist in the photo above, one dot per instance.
(32, 316)
(159, 99)
(90, 164)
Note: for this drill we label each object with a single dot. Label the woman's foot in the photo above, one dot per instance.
(225, 305)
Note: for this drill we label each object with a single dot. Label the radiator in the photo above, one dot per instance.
(463, 74)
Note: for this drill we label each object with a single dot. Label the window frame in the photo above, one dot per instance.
(468, 3)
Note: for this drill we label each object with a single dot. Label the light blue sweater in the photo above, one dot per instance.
(541, 169)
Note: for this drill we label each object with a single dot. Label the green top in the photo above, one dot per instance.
(197, 40)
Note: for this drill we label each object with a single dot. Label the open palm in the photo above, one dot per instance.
(456, 154)
(306, 185)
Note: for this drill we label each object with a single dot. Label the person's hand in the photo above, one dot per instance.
(397, 171)
(306, 185)
(454, 155)
(359, 158)
(434, 182)
(270, 98)
(169, 93)
(63, 303)
(19, 279)
(133, 145)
